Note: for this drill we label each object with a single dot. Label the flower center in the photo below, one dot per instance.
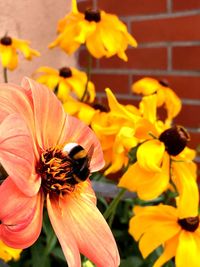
(65, 72)
(62, 169)
(99, 106)
(189, 224)
(6, 40)
(92, 15)
(175, 139)
(164, 83)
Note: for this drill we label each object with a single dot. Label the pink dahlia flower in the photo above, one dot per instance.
(48, 157)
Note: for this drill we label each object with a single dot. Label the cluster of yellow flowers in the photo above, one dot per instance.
(151, 153)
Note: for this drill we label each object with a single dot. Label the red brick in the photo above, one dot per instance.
(168, 29)
(83, 59)
(185, 5)
(139, 58)
(186, 58)
(194, 140)
(116, 82)
(189, 116)
(183, 86)
(133, 7)
(83, 5)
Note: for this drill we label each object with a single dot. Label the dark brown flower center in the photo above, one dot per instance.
(175, 139)
(61, 170)
(65, 72)
(164, 83)
(189, 224)
(92, 15)
(99, 106)
(6, 40)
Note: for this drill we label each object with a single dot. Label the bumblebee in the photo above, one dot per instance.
(80, 161)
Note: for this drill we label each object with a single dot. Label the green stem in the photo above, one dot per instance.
(113, 205)
(88, 71)
(5, 75)
(50, 245)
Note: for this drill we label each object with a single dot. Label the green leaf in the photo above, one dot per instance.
(39, 258)
(58, 253)
(131, 262)
(132, 155)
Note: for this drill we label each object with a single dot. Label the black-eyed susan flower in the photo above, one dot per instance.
(8, 253)
(166, 96)
(66, 81)
(115, 130)
(176, 229)
(9, 48)
(102, 33)
(159, 148)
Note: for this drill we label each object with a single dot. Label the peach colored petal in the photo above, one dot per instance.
(63, 232)
(21, 216)
(17, 155)
(90, 230)
(48, 114)
(78, 132)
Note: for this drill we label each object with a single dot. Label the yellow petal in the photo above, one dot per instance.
(150, 155)
(153, 226)
(172, 103)
(146, 86)
(148, 107)
(63, 90)
(95, 45)
(8, 253)
(169, 251)
(7, 53)
(118, 109)
(153, 185)
(24, 47)
(187, 186)
(187, 251)
(14, 62)
(47, 70)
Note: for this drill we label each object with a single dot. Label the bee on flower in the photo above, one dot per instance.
(49, 157)
(9, 48)
(102, 33)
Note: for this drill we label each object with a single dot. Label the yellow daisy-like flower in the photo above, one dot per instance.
(159, 148)
(80, 110)
(9, 48)
(66, 81)
(103, 34)
(8, 253)
(165, 95)
(176, 229)
(151, 174)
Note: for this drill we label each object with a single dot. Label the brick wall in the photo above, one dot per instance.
(168, 33)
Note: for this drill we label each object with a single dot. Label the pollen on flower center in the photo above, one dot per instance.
(189, 224)
(92, 15)
(61, 169)
(6, 40)
(175, 139)
(65, 72)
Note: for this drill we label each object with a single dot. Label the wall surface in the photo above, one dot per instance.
(35, 21)
(168, 34)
